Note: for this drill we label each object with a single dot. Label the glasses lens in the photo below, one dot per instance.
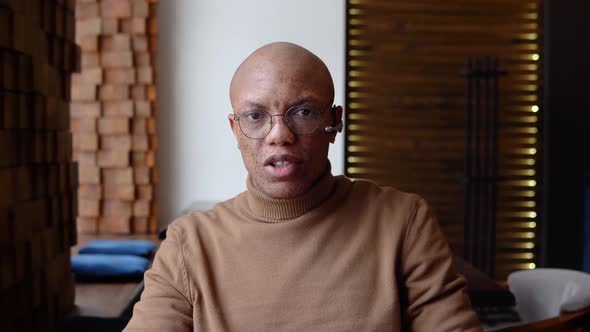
(255, 124)
(303, 121)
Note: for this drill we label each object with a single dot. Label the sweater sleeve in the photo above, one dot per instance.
(165, 303)
(435, 297)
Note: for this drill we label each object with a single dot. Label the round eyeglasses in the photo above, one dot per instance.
(300, 120)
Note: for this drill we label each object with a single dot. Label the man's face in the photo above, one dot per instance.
(283, 164)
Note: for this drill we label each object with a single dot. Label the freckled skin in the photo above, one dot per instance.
(278, 76)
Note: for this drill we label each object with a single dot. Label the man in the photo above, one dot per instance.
(301, 250)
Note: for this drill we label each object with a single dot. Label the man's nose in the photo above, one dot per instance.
(280, 133)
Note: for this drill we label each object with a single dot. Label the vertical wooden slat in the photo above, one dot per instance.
(405, 102)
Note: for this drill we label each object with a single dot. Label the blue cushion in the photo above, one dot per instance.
(99, 267)
(119, 247)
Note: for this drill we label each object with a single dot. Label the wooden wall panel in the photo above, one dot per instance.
(405, 105)
(113, 115)
(38, 178)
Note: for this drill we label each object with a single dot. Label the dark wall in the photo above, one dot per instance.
(566, 130)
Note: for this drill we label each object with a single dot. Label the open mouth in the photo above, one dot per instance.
(282, 166)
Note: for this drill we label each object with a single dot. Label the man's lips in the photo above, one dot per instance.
(282, 166)
(281, 159)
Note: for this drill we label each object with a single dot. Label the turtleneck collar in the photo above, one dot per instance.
(268, 209)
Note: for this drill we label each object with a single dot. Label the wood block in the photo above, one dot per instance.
(141, 208)
(116, 59)
(123, 192)
(25, 73)
(110, 26)
(60, 14)
(70, 27)
(88, 43)
(115, 8)
(36, 250)
(87, 10)
(114, 92)
(139, 8)
(113, 158)
(7, 269)
(122, 142)
(151, 125)
(87, 225)
(139, 126)
(62, 116)
(118, 109)
(115, 225)
(117, 208)
(145, 75)
(6, 27)
(140, 225)
(140, 44)
(88, 207)
(152, 25)
(83, 125)
(24, 221)
(88, 174)
(90, 26)
(25, 119)
(83, 92)
(90, 60)
(120, 76)
(134, 25)
(6, 226)
(115, 43)
(150, 159)
(118, 176)
(8, 63)
(8, 185)
(84, 110)
(85, 142)
(113, 125)
(145, 192)
(153, 142)
(152, 92)
(90, 191)
(142, 59)
(142, 175)
(23, 184)
(85, 158)
(138, 92)
(91, 76)
(140, 142)
(143, 108)
(10, 108)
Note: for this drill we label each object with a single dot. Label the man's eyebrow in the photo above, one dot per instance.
(305, 100)
(251, 104)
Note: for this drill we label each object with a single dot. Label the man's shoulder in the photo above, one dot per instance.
(369, 190)
(194, 219)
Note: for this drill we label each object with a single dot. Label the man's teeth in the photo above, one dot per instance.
(280, 163)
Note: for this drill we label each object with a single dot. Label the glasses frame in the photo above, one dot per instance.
(272, 123)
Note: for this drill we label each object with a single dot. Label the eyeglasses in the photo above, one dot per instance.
(300, 120)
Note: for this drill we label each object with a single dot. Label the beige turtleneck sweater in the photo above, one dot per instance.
(347, 256)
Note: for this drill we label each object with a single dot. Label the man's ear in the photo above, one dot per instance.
(337, 113)
(233, 125)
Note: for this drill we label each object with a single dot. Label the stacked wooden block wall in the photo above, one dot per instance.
(38, 178)
(113, 115)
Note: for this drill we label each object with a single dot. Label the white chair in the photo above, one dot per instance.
(542, 294)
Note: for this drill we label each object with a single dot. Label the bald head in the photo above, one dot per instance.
(287, 62)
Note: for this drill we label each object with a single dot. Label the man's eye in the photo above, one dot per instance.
(253, 116)
(302, 112)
